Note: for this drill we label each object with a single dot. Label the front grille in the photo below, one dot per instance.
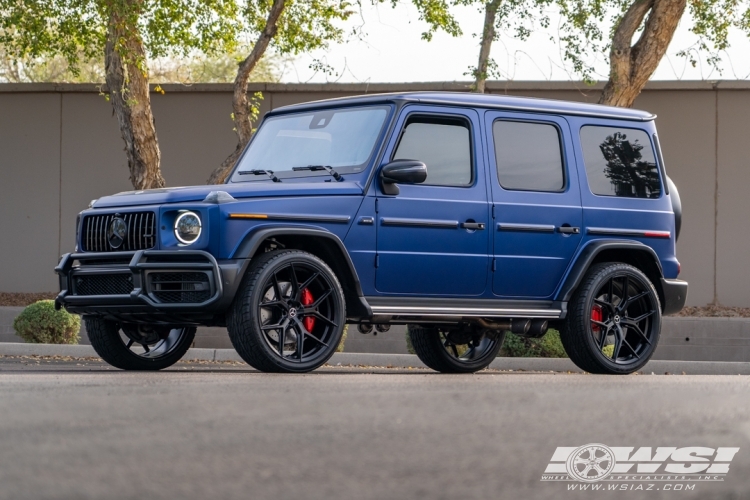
(180, 287)
(104, 284)
(141, 232)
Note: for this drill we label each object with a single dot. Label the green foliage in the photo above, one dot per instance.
(548, 346)
(304, 26)
(216, 68)
(195, 68)
(514, 346)
(39, 323)
(514, 18)
(76, 30)
(340, 348)
(437, 15)
(583, 35)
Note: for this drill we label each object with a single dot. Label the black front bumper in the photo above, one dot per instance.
(675, 294)
(124, 286)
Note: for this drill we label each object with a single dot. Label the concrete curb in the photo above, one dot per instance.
(564, 365)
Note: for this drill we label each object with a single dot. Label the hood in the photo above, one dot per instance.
(238, 191)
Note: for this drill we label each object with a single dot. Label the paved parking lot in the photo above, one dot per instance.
(75, 428)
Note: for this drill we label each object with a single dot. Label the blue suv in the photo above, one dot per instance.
(464, 216)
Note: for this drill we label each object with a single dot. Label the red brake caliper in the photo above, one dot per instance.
(596, 315)
(307, 299)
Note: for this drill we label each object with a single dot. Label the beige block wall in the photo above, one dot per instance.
(686, 126)
(733, 228)
(60, 147)
(29, 191)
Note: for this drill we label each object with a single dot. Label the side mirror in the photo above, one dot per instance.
(402, 172)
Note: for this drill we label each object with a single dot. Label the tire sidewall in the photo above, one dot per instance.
(104, 336)
(256, 294)
(436, 346)
(599, 278)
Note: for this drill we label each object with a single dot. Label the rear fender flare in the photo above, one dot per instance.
(588, 255)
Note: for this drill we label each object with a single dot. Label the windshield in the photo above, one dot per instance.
(342, 139)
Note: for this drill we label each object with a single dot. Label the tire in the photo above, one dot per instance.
(303, 297)
(114, 343)
(437, 350)
(598, 318)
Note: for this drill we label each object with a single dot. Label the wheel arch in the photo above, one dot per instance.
(321, 243)
(634, 253)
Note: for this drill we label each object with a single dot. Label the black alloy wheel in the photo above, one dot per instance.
(614, 320)
(138, 347)
(455, 350)
(289, 314)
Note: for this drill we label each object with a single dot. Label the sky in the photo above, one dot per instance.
(392, 51)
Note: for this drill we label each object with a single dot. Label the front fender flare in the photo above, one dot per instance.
(253, 240)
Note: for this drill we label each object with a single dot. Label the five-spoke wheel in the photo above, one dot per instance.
(289, 314)
(613, 321)
(138, 347)
(455, 350)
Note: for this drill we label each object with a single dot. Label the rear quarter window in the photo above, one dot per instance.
(620, 162)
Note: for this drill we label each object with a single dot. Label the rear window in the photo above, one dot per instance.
(620, 162)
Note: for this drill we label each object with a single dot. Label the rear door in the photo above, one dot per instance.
(432, 238)
(536, 202)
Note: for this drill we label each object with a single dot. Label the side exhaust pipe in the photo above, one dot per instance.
(530, 328)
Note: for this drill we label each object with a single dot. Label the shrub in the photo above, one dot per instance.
(340, 348)
(39, 323)
(514, 346)
(548, 346)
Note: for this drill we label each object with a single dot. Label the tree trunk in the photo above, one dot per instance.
(632, 66)
(241, 104)
(488, 36)
(127, 81)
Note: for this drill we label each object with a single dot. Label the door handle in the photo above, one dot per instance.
(472, 225)
(569, 230)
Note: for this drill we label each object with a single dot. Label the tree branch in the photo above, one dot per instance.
(240, 102)
(129, 94)
(632, 65)
(488, 36)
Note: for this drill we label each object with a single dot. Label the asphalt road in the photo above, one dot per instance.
(78, 429)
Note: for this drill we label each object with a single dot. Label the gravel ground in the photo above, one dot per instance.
(715, 312)
(23, 299)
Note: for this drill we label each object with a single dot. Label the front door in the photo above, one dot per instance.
(433, 238)
(537, 204)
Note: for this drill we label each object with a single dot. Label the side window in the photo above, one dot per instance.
(528, 156)
(620, 162)
(443, 144)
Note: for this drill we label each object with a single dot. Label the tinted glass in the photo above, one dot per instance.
(340, 138)
(620, 162)
(528, 156)
(441, 145)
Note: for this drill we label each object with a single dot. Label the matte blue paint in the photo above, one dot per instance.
(433, 261)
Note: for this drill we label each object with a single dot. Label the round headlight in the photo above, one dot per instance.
(187, 227)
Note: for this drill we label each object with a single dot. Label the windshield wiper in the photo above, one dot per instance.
(328, 169)
(259, 171)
